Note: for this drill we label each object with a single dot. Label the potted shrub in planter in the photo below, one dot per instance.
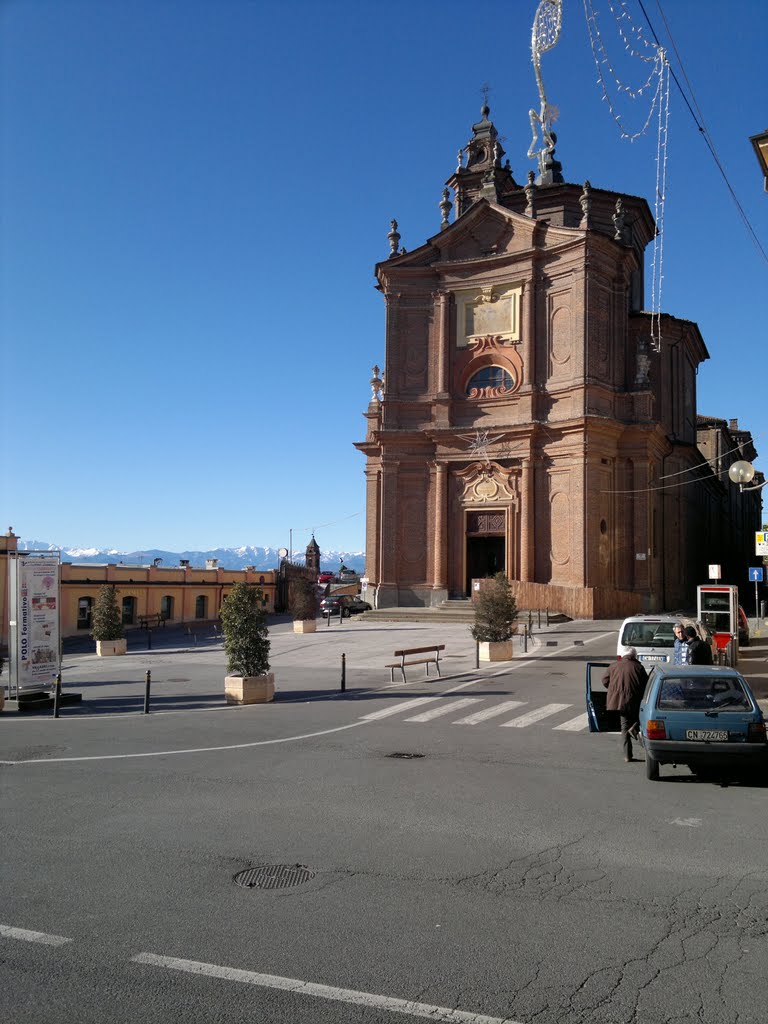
(303, 606)
(246, 642)
(108, 623)
(495, 615)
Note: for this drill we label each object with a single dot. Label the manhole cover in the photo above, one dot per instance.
(405, 755)
(274, 876)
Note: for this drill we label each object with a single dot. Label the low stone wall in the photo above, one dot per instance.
(575, 602)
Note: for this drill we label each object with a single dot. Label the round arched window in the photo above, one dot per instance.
(490, 382)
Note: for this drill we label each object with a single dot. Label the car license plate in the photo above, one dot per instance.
(719, 735)
(653, 657)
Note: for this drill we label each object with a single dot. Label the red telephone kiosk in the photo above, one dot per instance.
(718, 608)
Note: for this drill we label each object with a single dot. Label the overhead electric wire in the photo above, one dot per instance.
(699, 122)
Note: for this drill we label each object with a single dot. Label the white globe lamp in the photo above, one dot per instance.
(741, 472)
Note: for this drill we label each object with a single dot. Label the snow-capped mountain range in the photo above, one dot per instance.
(228, 558)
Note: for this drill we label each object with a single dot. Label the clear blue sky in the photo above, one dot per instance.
(194, 195)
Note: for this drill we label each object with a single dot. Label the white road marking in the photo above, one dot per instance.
(442, 708)
(28, 936)
(688, 822)
(534, 716)
(190, 750)
(308, 988)
(397, 708)
(574, 724)
(491, 712)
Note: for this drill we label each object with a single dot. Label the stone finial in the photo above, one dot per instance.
(496, 155)
(394, 239)
(445, 209)
(530, 192)
(460, 160)
(376, 384)
(618, 221)
(586, 204)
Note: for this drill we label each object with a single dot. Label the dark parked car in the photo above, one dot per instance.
(350, 605)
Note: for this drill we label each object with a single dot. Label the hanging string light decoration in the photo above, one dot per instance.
(545, 33)
(656, 82)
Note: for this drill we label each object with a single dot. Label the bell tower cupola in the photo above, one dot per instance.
(483, 176)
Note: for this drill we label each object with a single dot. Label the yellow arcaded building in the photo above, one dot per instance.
(181, 594)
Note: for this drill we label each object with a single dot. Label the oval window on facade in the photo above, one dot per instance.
(490, 382)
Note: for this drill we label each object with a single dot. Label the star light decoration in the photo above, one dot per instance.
(481, 442)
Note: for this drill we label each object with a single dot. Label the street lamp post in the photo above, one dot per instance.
(743, 473)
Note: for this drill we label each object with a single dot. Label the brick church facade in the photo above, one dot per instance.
(526, 422)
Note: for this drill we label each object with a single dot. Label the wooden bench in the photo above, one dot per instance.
(433, 650)
(148, 621)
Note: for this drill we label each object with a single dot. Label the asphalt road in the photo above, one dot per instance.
(510, 868)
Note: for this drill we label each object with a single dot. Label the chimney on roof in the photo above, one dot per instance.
(211, 563)
(733, 424)
(184, 563)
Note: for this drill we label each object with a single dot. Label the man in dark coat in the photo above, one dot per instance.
(699, 652)
(626, 679)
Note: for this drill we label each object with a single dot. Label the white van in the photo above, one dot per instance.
(653, 636)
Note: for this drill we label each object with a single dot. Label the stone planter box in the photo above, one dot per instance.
(249, 689)
(108, 648)
(304, 626)
(500, 650)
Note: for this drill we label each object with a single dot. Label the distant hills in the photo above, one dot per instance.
(228, 558)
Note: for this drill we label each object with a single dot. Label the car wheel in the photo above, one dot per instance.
(651, 768)
(346, 613)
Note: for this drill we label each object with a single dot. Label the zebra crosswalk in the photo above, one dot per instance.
(427, 709)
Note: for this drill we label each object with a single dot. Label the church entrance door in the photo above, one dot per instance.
(486, 547)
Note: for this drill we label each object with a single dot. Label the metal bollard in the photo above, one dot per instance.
(57, 696)
(149, 639)
(343, 672)
(539, 611)
(327, 617)
(530, 621)
(525, 639)
(547, 614)
(477, 654)
(147, 681)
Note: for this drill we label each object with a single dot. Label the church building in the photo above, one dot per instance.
(533, 416)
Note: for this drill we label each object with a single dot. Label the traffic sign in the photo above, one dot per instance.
(756, 575)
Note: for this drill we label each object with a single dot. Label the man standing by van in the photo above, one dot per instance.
(680, 656)
(626, 679)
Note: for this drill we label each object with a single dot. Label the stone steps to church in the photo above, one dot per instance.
(450, 611)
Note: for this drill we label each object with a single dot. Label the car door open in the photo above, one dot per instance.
(600, 720)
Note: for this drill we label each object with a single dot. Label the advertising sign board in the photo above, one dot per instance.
(34, 633)
(761, 543)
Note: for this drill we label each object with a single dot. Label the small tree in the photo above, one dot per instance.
(246, 638)
(495, 611)
(107, 620)
(303, 599)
